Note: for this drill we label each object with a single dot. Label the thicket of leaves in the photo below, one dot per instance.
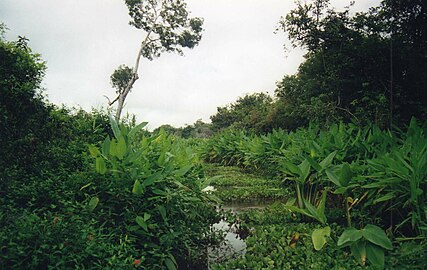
(385, 171)
(368, 67)
(61, 209)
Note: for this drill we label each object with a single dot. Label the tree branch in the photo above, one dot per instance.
(111, 102)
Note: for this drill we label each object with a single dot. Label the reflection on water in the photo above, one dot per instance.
(234, 246)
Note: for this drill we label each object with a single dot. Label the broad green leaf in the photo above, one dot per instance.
(345, 175)
(384, 198)
(94, 151)
(358, 249)
(375, 255)
(136, 128)
(162, 159)
(214, 198)
(328, 160)
(376, 235)
(179, 184)
(316, 146)
(152, 178)
(305, 171)
(106, 146)
(146, 216)
(207, 181)
(298, 210)
(100, 165)
(312, 152)
(315, 213)
(413, 124)
(374, 185)
(403, 161)
(322, 203)
(113, 148)
(114, 127)
(182, 171)
(121, 147)
(123, 129)
(340, 190)
(162, 211)
(141, 222)
(93, 203)
(295, 170)
(314, 164)
(159, 192)
(319, 237)
(333, 177)
(349, 235)
(291, 201)
(170, 264)
(137, 188)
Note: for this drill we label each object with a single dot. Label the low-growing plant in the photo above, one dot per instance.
(368, 243)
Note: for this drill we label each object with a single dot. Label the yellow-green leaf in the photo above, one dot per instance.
(121, 147)
(93, 150)
(85, 186)
(319, 237)
(137, 188)
(93, 203)
(100, 165)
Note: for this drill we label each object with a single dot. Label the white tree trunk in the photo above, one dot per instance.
(122, 96)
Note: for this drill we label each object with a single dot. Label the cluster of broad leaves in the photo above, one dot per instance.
(135, 202)
(279, 239)
(151, 190)
(379, 173)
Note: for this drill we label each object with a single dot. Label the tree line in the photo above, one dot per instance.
(367, 67)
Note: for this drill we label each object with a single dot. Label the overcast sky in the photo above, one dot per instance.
(83, 41)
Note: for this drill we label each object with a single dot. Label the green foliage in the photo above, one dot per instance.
(231, 184)
(320, 236)
(121, 78)
(350, 62)
(21, 72)
(248, 112)
(142, 208)
(367, 243)
(362, 68)
(199, 129)
(168, 22)
(151, 186)
(278, 241)
(399, 178)
(307, 209)
(380, 171)
(408, 254)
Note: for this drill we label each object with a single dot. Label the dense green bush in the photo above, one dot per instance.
(57, 212)
(144, 206)
(150, 189)
(385, 170)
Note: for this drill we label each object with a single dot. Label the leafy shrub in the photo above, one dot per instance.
(381, 171)
(149, 189)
